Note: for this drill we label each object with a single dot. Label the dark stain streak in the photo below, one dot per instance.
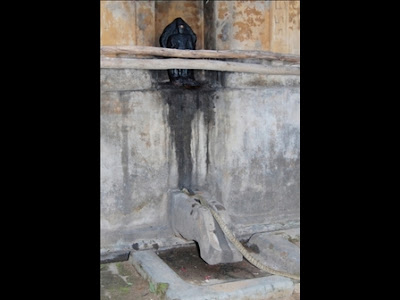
(181, 113)
(183, 105)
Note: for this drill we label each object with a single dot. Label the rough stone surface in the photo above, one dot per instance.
(134, 165)
(118, 23)
(194, 222)
(124, 79)
(285, 26)
(247, 80)
(276, 251)
(254, 154)
(242, 25)
(127, 23)
(221, 25)
(114, 256)
(253, 25)
(241, 144)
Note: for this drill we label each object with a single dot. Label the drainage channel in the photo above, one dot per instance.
(187, 263)
(183, 275)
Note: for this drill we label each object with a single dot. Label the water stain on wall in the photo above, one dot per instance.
(183, 106)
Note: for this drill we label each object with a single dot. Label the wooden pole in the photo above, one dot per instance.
(177, 63)
(221, 54)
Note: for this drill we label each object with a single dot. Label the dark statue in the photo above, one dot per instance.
(179, 35)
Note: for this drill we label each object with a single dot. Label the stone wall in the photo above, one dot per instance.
(237, 139)
(220, 25)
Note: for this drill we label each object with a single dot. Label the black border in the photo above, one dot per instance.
(55, 147)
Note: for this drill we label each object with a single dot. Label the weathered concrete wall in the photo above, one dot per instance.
(135, 158)
(241, 25)
(142, 22)
(221, 25)
(285, 27)
(254, 153)
(254, 25)
(240, 142)
(127, 23)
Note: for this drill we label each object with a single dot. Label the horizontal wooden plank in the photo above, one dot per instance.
(199, 64)
(220, 54)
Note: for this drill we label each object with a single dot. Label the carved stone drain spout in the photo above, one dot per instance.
(194, 222)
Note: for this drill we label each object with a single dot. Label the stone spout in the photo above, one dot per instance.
(192, 221)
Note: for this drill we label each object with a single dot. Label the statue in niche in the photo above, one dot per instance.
(179, 35)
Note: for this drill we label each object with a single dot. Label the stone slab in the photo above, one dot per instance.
(114, 256)
(276, 251)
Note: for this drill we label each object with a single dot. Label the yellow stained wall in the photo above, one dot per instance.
(240, 25)
(258, 25)
(117, 23)
(285, 27)
(127, 23)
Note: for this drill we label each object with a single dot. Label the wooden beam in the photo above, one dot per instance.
(199, 64)
(221, 54)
